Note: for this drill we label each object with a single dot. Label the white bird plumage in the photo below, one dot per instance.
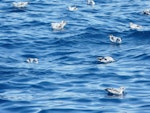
(72, 8)
(32, 60)
(58, 26)
(114, 91)
(20, 4)
(135, 26)
(115, 39)
(91, 2)
(146, 12)
(106, 59)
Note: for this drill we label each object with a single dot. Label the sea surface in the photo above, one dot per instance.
(68, 77)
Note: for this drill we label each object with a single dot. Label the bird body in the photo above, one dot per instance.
(135, 26)
(58, 26)
(20, 4)
(72, 8)
(106, 59)
(32, 60)
(115, 39)
(114, 91)
(146, 12)
(91, 2)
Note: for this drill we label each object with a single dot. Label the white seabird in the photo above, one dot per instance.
(58, 26)
(32, 60)
(106, 59)
(135, 26)
(20, 4)
(113, 91)
(36, 60)
(146, 12)
(91, 2)
(115, 39)
(72, 8)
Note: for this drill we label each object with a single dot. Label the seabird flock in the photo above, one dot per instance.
(102, 59)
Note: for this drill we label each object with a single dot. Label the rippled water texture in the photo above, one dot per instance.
(68, 77)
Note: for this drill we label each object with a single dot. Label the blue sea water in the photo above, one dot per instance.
(68, 77)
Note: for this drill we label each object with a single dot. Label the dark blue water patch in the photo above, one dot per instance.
(92, 30)
(22, 109)
(64, 110)
(29, 110)
(45, 43)
(133, 100)
(8, 70)
(65, 55)
(68, 60)
(29, 55)
(48, 86)
(42, 5)
(84, 100)
(89, 11)
(123, 78)
(111, 100)
(140, 34)
(92, 38)
(33, 23)
(145, 108)
(4, 86)
(38, 72)
(63, 42)
(9, 60)
(11, 85)
(6, 41)
(9, 45)
(141, 81)
(3, 100)
(18, 10)
(143, 56)
(8, 8)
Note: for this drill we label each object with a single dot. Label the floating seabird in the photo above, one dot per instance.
(115, 39)
(113, 91)
(146, 12)
(36, 60)
(106, 59)
(135, 26)
(72, 8)
(58, 26)
(32, 60)
(20, 4)
(91, 2)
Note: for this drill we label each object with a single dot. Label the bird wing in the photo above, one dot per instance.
(113, 91)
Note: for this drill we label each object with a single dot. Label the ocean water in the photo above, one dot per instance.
(68, 77)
